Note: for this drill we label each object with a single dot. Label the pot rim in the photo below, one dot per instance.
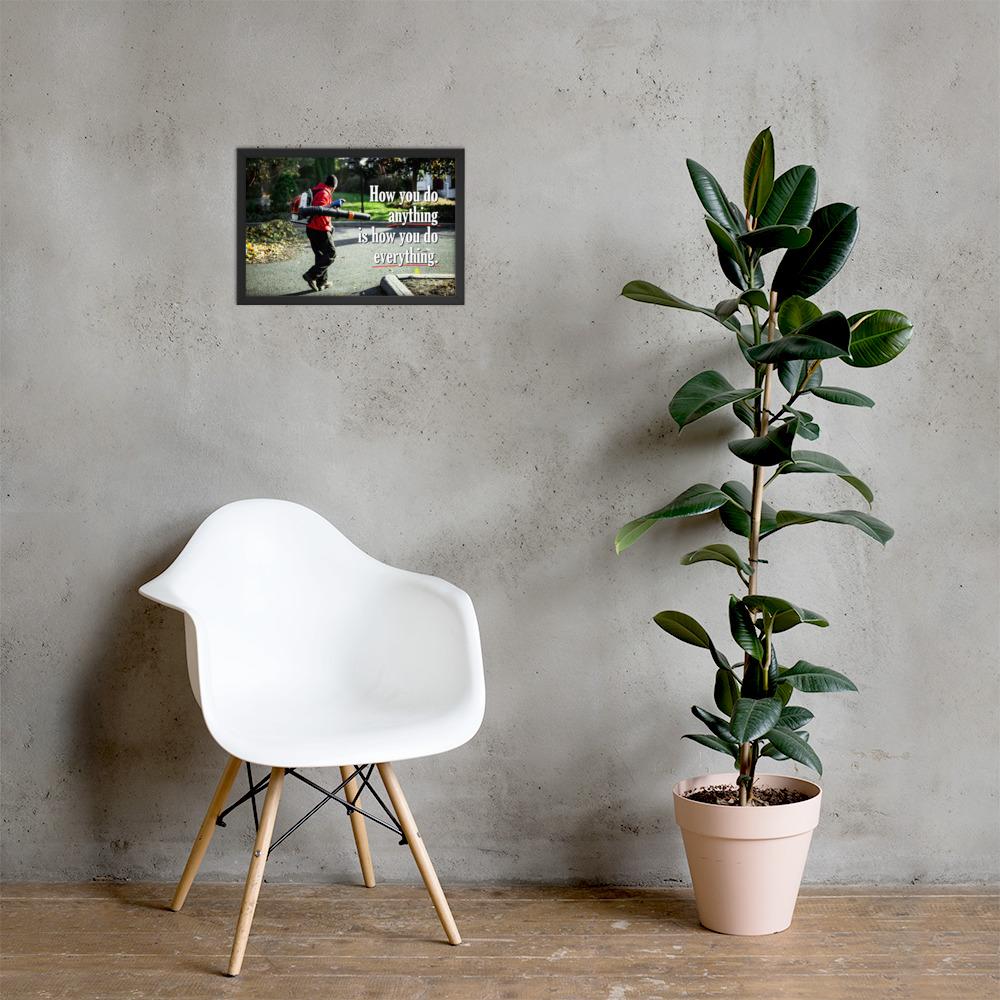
(814, 788)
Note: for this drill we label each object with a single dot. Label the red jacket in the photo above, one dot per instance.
(322, 197)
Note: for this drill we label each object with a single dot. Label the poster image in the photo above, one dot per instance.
(350, 226)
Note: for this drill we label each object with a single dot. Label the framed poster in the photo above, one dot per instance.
(360, 226)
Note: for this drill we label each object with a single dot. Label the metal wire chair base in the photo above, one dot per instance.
(361, 772)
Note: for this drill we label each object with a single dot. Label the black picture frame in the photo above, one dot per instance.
(429, 152)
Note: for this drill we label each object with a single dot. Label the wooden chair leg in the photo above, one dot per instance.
(255, 875)
(204, 837)
(359, 828)
(419, 852)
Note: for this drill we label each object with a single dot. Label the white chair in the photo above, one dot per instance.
(304, 652)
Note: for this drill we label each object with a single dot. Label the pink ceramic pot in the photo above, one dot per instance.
(746, 862)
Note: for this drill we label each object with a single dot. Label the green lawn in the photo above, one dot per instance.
(378, 210)
(352, 203)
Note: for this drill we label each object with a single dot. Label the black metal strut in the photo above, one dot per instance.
(348, 802)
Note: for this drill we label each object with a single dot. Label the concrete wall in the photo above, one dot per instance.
(501, 443)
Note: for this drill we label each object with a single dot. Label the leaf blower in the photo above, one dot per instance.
(302, 210)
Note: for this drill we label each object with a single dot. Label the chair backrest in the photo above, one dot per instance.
(274, 587)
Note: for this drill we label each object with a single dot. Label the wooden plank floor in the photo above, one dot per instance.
(521, 943)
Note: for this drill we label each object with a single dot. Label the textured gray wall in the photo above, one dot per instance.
(497, 444)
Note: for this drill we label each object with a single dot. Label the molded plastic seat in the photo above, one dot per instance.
(303, 651)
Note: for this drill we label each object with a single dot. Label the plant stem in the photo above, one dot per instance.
(757, 501)
(747, 755)
(766, 662)
(745, 782)
(803, 382)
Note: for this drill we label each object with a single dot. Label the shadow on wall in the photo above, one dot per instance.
(623, 821)
(143, 746)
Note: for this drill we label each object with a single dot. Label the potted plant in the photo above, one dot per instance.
(747, 839)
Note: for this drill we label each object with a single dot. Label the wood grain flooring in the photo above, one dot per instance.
(119, 941)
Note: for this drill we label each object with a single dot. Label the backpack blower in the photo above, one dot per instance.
(303, 211)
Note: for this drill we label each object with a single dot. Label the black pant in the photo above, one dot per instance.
(323, 248)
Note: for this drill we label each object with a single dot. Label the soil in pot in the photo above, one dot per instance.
(729, 795)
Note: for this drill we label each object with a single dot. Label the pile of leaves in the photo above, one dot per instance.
(429, 285)
(274, 240)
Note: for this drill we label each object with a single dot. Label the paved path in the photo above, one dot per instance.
(352, 272)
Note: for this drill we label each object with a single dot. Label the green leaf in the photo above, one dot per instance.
(808, 269)
(737, 216)
(794, 717)
(738, 493)
(743, 629)
(736, 515)
(871, 526)
(816, 680)
(720, 660)
(714, 199)
(732, 271)
(744, 340)
(795, 312)
(792, 374)
(807, 428)
(724, 309)
(752, 717)
(717, 553)
(772, 751)
(698, 499)
(772, 607)
(744, 414)
(713, 743)
(817, 461)
(720, 727)
(770, 238)
(846, 397)
(753, 676)
(829, 336)
(792, 200)
(703, 394)
(879, 336)
(794, 746)
(645, 291)
(725, 241)
(758, 173)
(754, 297)
(632, 532)
(784, 620)
(683, 627)
(727, 691)
(770, 449)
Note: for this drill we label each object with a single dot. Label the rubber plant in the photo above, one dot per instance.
(789, 342)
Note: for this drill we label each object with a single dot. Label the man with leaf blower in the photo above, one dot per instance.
(317, 205)
(319, 229)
